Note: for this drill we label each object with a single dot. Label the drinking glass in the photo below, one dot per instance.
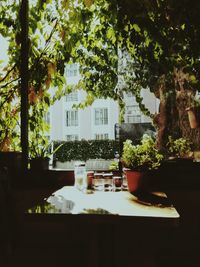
(80, 176)
(108, 185)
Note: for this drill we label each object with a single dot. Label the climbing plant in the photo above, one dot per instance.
(121, 46)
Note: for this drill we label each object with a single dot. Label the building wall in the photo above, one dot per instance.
(87, 128)
(108, 128)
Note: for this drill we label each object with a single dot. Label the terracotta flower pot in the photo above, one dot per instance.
(134, 180)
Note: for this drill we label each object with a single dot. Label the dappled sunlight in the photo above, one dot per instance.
(71, 200)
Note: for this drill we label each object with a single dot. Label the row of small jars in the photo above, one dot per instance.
(100, 181)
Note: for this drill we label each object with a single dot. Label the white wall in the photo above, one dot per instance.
(113, 115)
(86, 128)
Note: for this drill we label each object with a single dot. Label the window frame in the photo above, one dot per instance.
(69, 122)
(102, 118)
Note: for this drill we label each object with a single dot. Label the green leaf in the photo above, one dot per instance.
(183, 26)
(136, 28)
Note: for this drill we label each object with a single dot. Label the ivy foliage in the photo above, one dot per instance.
(119, 47)
(161, 37)
(60, 32)
(84, 150)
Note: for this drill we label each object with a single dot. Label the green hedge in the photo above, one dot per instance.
(84, 150)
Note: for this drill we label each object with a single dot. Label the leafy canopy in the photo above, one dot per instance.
(120, 48)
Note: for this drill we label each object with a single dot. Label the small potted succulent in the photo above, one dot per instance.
(140, 159)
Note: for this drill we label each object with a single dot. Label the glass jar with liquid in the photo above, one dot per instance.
(80, 176)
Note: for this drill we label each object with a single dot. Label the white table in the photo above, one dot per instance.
(113, 229)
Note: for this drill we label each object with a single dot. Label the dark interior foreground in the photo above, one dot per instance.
(70, 240)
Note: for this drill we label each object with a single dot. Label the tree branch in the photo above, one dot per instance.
(3, 79)
(8, 96)
(14, 80)
(46, 45)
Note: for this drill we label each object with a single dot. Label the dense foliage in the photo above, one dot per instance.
(162, 39)
(58, 35)
(120, 46)
(84, 150)
(180, 148)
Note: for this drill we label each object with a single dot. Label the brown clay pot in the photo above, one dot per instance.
(134, 180)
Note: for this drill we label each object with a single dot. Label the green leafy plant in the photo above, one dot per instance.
(179, 148)
(114, 166)
(43, 149)
(142, 157)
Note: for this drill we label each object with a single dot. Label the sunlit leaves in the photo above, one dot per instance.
(183, 26)
(111, 34)
(135, 27)
(88, 3)
(65, 4)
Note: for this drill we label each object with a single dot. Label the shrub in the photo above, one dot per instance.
(86, 149)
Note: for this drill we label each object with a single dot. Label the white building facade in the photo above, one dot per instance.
(96, 121)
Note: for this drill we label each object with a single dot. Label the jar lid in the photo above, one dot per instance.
(90, 172)
(98, 174)
(108, 174)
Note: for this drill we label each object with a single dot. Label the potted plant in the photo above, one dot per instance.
(179, 149)
(140, 159)
(40, 155)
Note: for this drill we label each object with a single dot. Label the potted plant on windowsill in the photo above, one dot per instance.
(140, 159)
(40, 156)
(179, 150)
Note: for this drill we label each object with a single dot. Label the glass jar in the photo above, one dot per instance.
(108, 181)
(98, 181)
(90, 177)
(80, 176)
(124, 178)
(117, 183)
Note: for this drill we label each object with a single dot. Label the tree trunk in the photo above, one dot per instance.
(172, 119)
(183, 99)
(167, 119)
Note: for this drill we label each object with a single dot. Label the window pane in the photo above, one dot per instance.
(71, 137)
(72, 118)
(101, 116)
(105, 116)
(133, 114)
(101, 136)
